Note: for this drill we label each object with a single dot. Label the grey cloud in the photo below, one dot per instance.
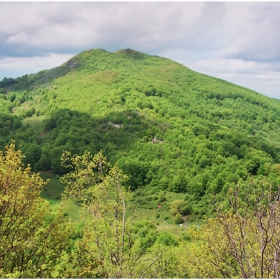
(226, 32)
(255, 55)
(147, 25)
(255, 36)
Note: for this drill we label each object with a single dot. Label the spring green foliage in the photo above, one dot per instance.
(112, 246)
(242, 242)
(239, 243)
(180, 207)
(32, 237)
(36, 242)
(167, 127)
(178, 219)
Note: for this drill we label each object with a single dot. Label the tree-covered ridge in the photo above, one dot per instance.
(166, 126)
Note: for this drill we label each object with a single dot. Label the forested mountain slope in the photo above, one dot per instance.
(166, 126)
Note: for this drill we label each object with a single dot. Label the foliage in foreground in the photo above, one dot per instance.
(32, 237)
(114, 246)
(241, 243)
(36, 243)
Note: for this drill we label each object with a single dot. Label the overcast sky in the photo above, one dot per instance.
(235, 41)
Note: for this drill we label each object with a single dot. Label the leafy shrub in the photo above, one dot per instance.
(180, 206)
(178, 219)
(162, 198)
(186, 210)
(167, 239)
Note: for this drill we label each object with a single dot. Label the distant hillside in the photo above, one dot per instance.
(166, 126)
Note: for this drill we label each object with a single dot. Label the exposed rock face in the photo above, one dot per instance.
(114, 125)
(154, 140)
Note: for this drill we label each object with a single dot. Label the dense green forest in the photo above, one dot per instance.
(170, 140)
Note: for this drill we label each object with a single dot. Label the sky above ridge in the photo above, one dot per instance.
(235, 41)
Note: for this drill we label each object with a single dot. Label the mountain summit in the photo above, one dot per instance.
(166, 126)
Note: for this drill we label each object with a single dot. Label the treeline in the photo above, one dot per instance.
(32, 81)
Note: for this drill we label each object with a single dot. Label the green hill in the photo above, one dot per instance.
(169, 128)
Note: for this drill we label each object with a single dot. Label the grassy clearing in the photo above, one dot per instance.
(148, 207)
(52, 193)
(142, 207)
(53, 190)
(36, 122)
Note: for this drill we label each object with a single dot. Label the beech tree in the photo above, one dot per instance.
(32, 238)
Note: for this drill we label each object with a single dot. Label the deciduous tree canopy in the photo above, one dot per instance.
(32, 237)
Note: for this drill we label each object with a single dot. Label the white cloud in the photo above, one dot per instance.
(250, 74)
(21, 38)
(30, 65)
(239, 41)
